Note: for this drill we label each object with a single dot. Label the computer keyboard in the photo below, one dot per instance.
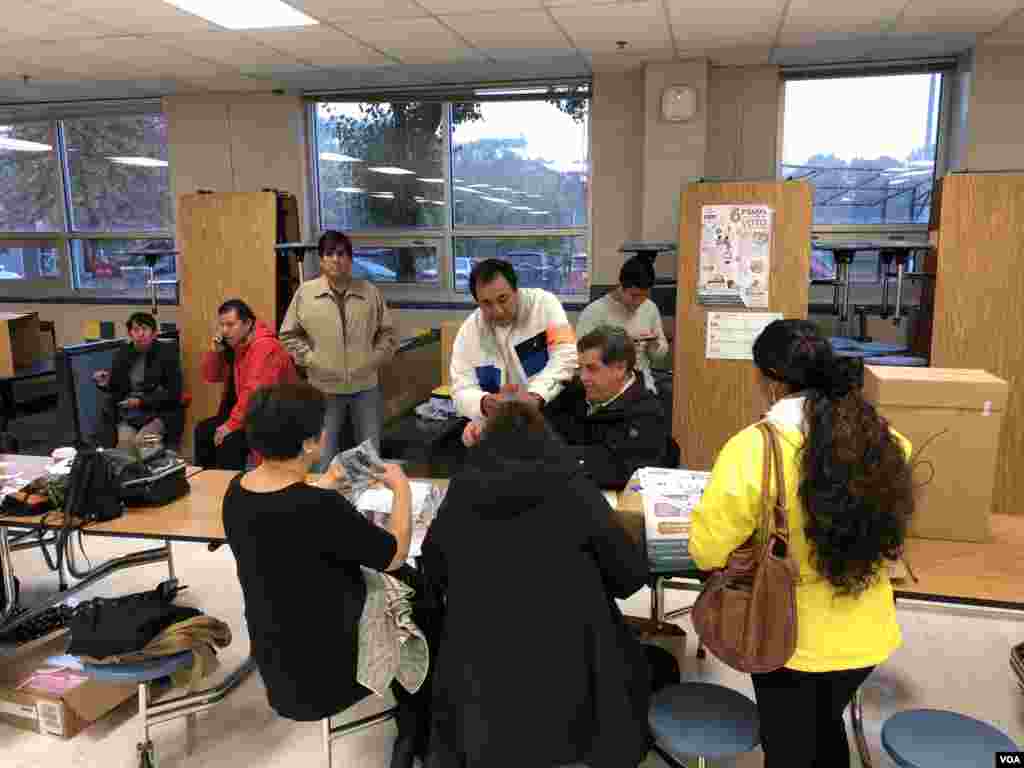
(50, 620)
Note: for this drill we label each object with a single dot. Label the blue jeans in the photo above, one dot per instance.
(362, 410)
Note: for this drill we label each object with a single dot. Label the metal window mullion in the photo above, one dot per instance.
(314, 164)
(449, 190)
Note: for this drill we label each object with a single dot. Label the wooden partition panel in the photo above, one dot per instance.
(714, 399)
(227, 252)
(979, 303)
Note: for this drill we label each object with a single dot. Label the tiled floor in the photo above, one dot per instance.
(953, 658)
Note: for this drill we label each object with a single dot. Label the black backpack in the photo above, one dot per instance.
(94, 490)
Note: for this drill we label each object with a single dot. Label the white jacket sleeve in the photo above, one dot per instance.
(465, 387)
(659, 350)
(562, 357)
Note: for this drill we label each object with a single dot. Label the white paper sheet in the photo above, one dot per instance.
(731, 335)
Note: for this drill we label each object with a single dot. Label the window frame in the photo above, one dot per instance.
(944, 67)
(443, 294)
(63, 289)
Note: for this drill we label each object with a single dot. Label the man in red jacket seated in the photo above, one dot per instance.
(245, 356)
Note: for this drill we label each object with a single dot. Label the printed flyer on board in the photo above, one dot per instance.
(735, 255)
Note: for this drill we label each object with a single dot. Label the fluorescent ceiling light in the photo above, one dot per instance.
(144, 162)
(20, 145)
(479, 186)
(430, 181)
(510, 91)
(351, 190)
(246, 14)
(458, 181)
(434, 202)
(501, 189)
(383, 195)
(467, 189)
(521, 208)
(390, 170)
(539, 213)
(897, 181)
(334, 157)
(495, 199)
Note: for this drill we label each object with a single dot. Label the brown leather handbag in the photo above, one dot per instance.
(746, 613)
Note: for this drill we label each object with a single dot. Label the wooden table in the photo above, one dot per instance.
(986, 574)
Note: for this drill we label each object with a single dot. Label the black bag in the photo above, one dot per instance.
(158, 480)
(93, 492)
(104, 627)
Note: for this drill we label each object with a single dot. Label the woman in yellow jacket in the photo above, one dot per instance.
(849, 498)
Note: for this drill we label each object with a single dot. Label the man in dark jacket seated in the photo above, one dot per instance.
(144, 385)
(608, 417)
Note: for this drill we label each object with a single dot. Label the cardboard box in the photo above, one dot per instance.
(952, 417)
(20, 341)
(37, 697)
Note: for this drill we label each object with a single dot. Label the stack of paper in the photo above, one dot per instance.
(375, 504)
(669, 498)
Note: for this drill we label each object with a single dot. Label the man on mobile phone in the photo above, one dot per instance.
(246, 356)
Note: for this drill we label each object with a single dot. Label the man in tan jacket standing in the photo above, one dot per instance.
(340, 331)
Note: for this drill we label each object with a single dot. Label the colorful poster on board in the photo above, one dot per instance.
(735, 255)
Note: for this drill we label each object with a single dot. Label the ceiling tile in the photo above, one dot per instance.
(740, 55)
(1011, 32)
(142, 16)
(413, 41)
(809, 20)
(442, 7)
(137, 55)
(321, 46)
(13, 69)
(360, 10)
(598, 28)
(931, 16)
(700, 23)
(234, 49)
(63, 57)
(26, 21)
(510, 31)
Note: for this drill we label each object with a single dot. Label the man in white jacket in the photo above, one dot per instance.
(519, 342)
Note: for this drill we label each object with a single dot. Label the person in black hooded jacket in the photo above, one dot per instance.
(536, 666)
(609, 418)
(144, 387)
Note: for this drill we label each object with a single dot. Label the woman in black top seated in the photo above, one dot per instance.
(299, 548)
(144, 385)
(536, 667)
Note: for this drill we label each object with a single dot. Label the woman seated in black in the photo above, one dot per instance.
(536, 667)
(299, 548)
(144, 385)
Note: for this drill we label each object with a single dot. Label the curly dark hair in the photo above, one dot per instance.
(855, 482)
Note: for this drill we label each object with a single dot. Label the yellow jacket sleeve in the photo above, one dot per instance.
(730, 509)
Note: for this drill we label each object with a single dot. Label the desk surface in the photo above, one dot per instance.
(989, 574)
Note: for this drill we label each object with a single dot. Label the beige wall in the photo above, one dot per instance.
(996, 111)
(238, 143)
(744, 104)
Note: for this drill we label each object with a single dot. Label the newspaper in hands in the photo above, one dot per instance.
(359, 466)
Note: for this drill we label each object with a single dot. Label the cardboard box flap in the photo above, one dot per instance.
(91, 702)
(957, 388)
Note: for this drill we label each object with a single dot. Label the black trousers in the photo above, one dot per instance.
(230, 454)
(801, 716)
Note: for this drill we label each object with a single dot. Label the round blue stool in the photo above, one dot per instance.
(141, 674)
(702, 720)
(933, 738)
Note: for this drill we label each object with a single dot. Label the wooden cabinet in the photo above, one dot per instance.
(227, 252)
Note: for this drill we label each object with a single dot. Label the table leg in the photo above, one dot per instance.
(6, 403)
(857, 721)
(7, 569)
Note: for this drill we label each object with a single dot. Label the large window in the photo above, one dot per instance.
(868, 144)
(427, 188)
(78, 196)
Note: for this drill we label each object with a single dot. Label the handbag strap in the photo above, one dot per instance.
(776, 521)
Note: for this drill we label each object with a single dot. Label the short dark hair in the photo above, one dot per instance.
(280, 418)
(614, 343)
(141, 318)
(488, 270)
(244, 310)
(637, 273)
(331, 239)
